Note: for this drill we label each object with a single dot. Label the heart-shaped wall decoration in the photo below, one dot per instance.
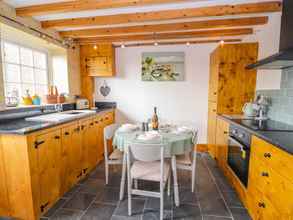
(105, 89)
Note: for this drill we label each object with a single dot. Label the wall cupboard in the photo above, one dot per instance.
(230, 83)
(96, 61)
(37, 169)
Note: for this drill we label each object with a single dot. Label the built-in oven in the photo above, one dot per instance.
(239, 152)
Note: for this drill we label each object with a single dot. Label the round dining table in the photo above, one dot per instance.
(177, 143)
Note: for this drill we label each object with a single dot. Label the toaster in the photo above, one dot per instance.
(82, 104)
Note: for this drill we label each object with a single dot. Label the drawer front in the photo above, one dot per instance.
(277, 189)
(260, 208)
(278, 160)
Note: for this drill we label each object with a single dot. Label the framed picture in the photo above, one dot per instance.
(163, 66)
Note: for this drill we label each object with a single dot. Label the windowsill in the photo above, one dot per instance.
(4, 108)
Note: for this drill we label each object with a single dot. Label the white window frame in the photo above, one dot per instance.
(19, 45)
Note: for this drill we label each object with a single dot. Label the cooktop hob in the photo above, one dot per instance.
(267, 125)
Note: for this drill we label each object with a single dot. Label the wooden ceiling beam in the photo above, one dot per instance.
(166, 36)
(181, 42)
(185, 26)
(222, 10)
(82, 5)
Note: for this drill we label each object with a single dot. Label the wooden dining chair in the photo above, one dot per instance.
(116, 156)
(148, 164)
(187, 161)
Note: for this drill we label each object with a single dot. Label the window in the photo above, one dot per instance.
(24, 69)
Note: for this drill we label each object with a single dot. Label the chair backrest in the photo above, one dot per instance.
(147, 152)
(109, 131)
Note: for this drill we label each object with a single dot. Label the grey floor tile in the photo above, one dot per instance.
(187, 212)
(154, 203)
(151, 214)
(187, 197)
(66, 214)
(137, 207)
(53, 209)
(213, 205)
(211, 217)
(240, 214)
(135, 217)
(80, 201)
(99, 211)
(71, 192)
(109, 195)
(232, 199)
(93, 186)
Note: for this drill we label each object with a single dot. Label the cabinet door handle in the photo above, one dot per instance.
(214, 110)
(97, 122)
(225, 132)
(38, 143)
(66, 133)
(106, 118)
(261, 205)
(101, 120)
(77, 129)
(82, 127)
(215, 93)
(57, 137)
(44, 206)
(265, 174)
(92, 124)
(267, 155)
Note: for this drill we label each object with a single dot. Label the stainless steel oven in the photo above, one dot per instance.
(239, 152)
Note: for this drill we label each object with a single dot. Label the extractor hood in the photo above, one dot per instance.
(283, 59)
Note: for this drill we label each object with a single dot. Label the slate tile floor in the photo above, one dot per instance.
(214, 198)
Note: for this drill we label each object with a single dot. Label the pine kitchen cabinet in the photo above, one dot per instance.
(270, 183)
(222, 133)
(230, 83)
(38, 168)
(96, 61)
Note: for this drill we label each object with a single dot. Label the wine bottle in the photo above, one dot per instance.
(155, 120)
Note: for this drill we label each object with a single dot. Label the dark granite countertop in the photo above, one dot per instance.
(23, 127)
(281, 139)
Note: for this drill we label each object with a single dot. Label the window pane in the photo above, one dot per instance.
(40, 60)
(12, 73)
(26, 56)
(12, 90)
(41, 76)
(11, 53)
(29, 87)
(41, 90)
(27, 74)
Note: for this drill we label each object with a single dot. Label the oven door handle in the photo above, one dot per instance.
(242, 147)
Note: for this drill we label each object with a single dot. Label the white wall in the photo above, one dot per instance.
(268, 37)
(176, 101)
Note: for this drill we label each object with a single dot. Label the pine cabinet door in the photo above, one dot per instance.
(222, 134)
(49, 156)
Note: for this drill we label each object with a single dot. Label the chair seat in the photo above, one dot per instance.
(149, 170)
(183, 159)
(116, 155)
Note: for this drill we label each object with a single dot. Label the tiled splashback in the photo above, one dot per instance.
(281, 108)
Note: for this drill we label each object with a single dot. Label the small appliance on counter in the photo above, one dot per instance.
(82, 103)
(249, 109)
